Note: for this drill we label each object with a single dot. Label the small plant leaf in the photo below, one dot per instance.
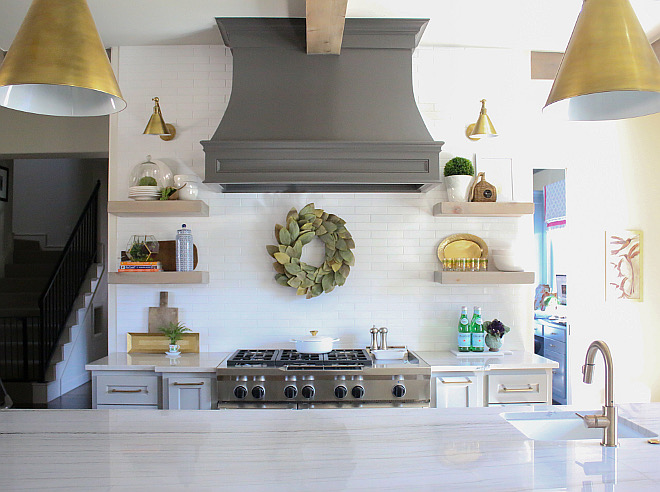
(350, 243)
(272, 249)
(277, 232)
(294, 282)
(278, 267)
(292, 268)
(294, 229)
(306, 237)
(329, 226)
(344, 270)
(321, 230)
(282, 280)
(348, 257)
(285, 237)
(307, 209)
(292, 213)
(339, 279)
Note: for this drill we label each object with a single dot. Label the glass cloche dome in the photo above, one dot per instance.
(147, 173)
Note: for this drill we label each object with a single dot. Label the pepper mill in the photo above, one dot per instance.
(374, 338)
(383, 338)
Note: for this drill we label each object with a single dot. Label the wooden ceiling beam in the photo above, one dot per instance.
(325, 26)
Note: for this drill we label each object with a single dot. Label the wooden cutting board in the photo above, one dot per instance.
(167, 255)
(162, 315)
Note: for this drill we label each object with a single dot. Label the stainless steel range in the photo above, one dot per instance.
(342, 378)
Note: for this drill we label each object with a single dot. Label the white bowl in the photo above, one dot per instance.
(179, 179)
(506, 263)
(189, 192)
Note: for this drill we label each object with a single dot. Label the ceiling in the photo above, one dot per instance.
(540, 25)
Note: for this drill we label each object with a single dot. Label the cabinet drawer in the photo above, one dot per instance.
(517, 388)
(555, 333)
(552, 345)
(126, 390)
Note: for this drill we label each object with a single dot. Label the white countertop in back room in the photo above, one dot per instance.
(382, 449)
(121, 361)
(447, 361)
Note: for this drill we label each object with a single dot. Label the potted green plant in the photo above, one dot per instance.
(174, 331)
(459, 174)
(495, 330)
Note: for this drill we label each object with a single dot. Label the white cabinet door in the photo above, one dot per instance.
(189, 392)
(456, 390)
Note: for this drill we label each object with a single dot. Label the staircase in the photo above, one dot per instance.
(46, 315)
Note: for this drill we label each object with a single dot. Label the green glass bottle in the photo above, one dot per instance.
(477, 331)
(464, 331)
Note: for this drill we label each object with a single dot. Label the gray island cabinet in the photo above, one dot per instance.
(516, 378)
(155, 381)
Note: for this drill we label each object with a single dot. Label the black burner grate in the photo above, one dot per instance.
(266, 357)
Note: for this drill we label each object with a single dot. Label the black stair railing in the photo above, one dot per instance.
(27, 343)
(62, 290)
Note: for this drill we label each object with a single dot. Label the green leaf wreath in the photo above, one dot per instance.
(301, 227)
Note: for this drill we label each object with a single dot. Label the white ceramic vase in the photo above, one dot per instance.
(458, 187)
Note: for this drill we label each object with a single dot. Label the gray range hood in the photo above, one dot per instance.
(322, 123)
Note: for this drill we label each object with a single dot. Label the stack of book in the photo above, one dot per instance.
(140, 266)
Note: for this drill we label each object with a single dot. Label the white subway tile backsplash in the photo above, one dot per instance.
(396, 235)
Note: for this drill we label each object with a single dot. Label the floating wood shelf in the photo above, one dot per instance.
(159, 208)
(158, 278)
(493, 277)
(483, 209)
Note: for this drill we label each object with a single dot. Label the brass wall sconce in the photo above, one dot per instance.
(157, 125)
(483, 127)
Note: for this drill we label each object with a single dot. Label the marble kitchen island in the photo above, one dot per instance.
(347, 449)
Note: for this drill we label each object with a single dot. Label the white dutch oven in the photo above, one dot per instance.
(315, 344)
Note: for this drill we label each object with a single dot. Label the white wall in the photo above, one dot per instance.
(396, 235)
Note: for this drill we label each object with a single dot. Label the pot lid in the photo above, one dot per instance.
(317, 339)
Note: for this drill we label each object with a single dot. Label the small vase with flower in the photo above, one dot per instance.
(495, 330)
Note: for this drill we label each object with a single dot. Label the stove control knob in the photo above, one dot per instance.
(240, 392)
(308, 392)
(290, 392)
(258, 392)
(357, 392)
(399, 390)
(341, 391)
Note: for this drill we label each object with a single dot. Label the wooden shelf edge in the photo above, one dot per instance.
(158, 208)
(490, 277)
(196, 277)
(483, 209)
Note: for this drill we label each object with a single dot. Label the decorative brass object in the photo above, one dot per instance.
(483, 127)
(57, 64)
(157, 125)
(157, 343)
(462, 246)
(609, 70)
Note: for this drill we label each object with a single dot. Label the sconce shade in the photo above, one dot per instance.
(57, 64)
(483, 127)
(157, 125)
(609, 70)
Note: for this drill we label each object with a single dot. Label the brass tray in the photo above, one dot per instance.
(462, 246)
(155, 343)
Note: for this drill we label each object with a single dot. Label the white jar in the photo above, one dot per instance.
(189, 191)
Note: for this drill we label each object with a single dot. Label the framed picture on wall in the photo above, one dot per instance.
(4, 184)
(623, 269)
(499, 173)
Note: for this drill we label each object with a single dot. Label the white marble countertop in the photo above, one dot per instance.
(446, 361)
(283, 450)
(121, 361)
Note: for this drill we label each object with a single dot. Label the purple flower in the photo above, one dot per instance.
(496, 328)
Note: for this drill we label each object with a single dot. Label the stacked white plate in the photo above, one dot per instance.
(144, 192)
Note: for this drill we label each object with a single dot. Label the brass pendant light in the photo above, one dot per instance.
(483, 127)
(157, 125)
(57, 64)
(609, 70)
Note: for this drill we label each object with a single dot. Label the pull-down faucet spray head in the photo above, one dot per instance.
(588, 373)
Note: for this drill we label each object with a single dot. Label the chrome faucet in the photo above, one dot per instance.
(608, 420)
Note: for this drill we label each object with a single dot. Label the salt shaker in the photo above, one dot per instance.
(374, 338)
(383, 338)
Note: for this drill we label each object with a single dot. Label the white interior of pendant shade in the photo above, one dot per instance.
(614, 105)
(59, 100)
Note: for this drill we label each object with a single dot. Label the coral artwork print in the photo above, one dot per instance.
(624, 265)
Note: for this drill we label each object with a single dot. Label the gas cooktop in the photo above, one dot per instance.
(290, 357)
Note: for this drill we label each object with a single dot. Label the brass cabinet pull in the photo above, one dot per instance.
(188, 384)
(113, 390)
(469, 381)
(518, 390)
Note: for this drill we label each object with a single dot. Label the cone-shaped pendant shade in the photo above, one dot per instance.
(483, 127)
(609, 70)
(57, 64)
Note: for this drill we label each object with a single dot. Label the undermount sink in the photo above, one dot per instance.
(567, 426)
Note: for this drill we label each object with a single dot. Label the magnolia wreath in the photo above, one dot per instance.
(301, 227)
